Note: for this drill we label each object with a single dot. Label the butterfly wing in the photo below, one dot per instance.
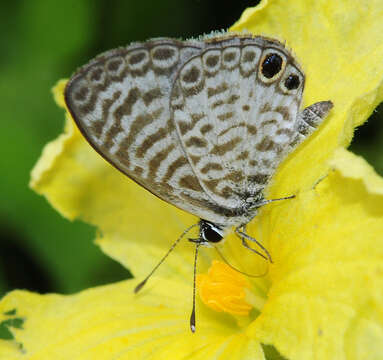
(120, 102)
(235, 116)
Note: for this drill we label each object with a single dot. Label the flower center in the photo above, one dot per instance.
(226, 290)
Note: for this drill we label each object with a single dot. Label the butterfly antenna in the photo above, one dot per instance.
(142, 283)
(192, 316)
(241, 272)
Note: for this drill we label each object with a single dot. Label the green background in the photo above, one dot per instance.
(41, 42)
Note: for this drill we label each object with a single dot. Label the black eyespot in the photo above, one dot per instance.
(292, 82)
(271, 65)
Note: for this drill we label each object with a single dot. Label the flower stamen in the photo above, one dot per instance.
(226, 290)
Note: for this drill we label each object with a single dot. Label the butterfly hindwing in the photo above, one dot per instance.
(234, 123)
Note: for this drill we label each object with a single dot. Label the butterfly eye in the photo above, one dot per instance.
(272, 66)
(210, 232)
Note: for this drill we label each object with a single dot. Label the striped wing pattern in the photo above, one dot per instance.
(234, 125)
(190, 121)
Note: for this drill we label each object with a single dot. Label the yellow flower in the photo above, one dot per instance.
(322, 297)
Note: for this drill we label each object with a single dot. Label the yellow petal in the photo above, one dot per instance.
(111, 322)
(355, 167)
(339, 45)
(326, 299)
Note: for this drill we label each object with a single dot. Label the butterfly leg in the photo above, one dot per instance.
(268, 201)
(309, 119)
(243, 236)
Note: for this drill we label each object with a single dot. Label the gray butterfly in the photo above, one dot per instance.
(202, 124)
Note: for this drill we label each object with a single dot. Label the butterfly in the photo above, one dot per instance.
(202, 124)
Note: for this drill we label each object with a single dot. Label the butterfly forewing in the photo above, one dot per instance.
(120, 101)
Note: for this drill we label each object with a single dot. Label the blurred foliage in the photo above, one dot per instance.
(368, 140)
(43, 41)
